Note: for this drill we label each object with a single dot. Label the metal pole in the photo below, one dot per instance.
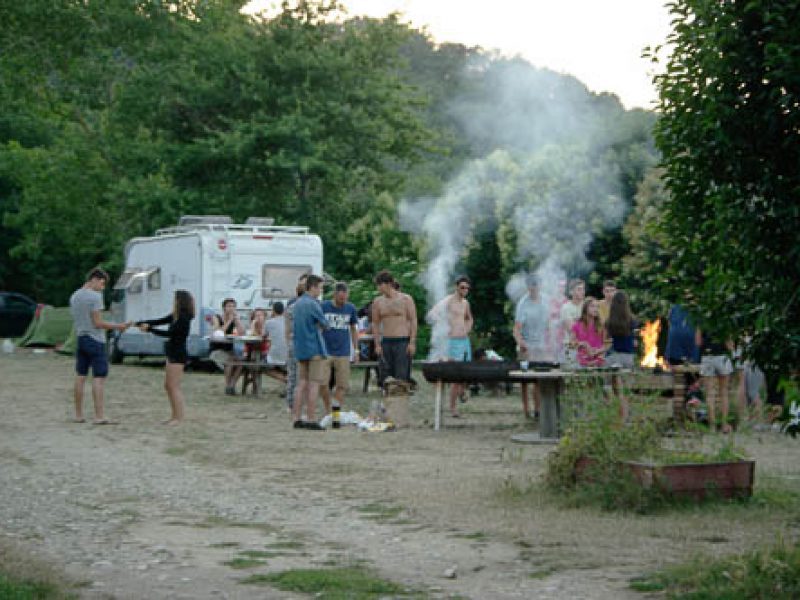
(437, 412)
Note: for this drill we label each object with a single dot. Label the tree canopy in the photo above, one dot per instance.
(120, 116)
(728, 132)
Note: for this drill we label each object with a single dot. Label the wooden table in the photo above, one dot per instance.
(550, 384)
(251, 368)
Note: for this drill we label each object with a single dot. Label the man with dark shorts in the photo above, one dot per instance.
(86, 306)
(394, 325)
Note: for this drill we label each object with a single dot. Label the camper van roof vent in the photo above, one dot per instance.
(263, 221)
(188, 220)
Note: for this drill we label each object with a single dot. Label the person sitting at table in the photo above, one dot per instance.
(621, 326)
(258, 329)
(276, 330)
(228, 324)
(589, 337)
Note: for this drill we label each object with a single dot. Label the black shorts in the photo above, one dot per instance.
(395, 361)
(176, 355)
(91, 353)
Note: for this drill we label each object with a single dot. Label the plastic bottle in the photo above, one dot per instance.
(8, 346)
(336, 422)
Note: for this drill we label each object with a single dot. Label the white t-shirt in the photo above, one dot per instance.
(276, 329)
(81, 305)
(532, 316)
(570, 313)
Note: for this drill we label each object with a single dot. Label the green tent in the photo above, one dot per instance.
(70, 344)
(51, 326)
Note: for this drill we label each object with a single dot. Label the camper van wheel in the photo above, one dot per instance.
(114, 353)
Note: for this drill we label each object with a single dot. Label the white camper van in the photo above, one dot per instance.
(255, 263)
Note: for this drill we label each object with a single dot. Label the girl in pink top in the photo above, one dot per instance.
(589, 336)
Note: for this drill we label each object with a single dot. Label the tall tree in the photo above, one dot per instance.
(729, 131)
(153, 108)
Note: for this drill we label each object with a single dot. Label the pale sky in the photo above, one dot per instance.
(598, 41)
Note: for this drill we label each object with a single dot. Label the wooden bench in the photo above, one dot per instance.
(252, 371)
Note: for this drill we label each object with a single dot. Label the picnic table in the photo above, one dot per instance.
(253, 364)
(551, 385)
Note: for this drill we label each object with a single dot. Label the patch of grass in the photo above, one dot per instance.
(28, 590)
(773, 493)
(478, 536)
(382, 513)
(286, 545)
(214, 521)
(261, 553)
(225, 545)
(769, 573)
(177, 450)
(541, 573)
(241, 562)
(24, 576)
(350, 583)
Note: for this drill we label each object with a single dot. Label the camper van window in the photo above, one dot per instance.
(125, 279)
(280, 281)
(135, 286)
(154, 280)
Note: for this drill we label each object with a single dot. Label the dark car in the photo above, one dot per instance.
(16, 313)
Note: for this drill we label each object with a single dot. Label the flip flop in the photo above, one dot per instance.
(105, 422)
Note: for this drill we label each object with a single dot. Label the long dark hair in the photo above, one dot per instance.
(620, 318)
(184, 305)
(588, 320)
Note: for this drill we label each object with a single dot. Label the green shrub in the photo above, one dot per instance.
(769, 573)
(587, 465)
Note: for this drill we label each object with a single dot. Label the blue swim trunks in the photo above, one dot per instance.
(459, 349)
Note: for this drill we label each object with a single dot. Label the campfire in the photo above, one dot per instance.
(650, 358)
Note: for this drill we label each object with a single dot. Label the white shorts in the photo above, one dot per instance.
(715, 365)
(624, 360)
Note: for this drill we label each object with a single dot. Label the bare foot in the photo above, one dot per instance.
(79, 420)
(172, 422)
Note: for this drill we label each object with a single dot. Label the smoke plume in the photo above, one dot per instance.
(543, 174)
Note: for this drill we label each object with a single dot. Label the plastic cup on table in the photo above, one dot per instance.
(523, 364)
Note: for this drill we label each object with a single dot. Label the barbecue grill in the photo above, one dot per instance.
(477, 371)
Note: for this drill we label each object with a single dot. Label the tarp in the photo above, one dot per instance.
(50, 327)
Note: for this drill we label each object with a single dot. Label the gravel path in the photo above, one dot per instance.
(138, 510)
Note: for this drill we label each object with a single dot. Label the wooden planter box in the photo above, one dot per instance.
(698, 480)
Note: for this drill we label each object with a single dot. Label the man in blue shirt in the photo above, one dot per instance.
(340, 340)
(310, 351)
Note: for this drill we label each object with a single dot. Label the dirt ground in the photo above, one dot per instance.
(140, 510)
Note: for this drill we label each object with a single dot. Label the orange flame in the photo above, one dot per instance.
(649, 334)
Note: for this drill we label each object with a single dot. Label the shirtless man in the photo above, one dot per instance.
(394, 324)
(456, 310)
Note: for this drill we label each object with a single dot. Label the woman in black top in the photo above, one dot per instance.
(175, 348)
